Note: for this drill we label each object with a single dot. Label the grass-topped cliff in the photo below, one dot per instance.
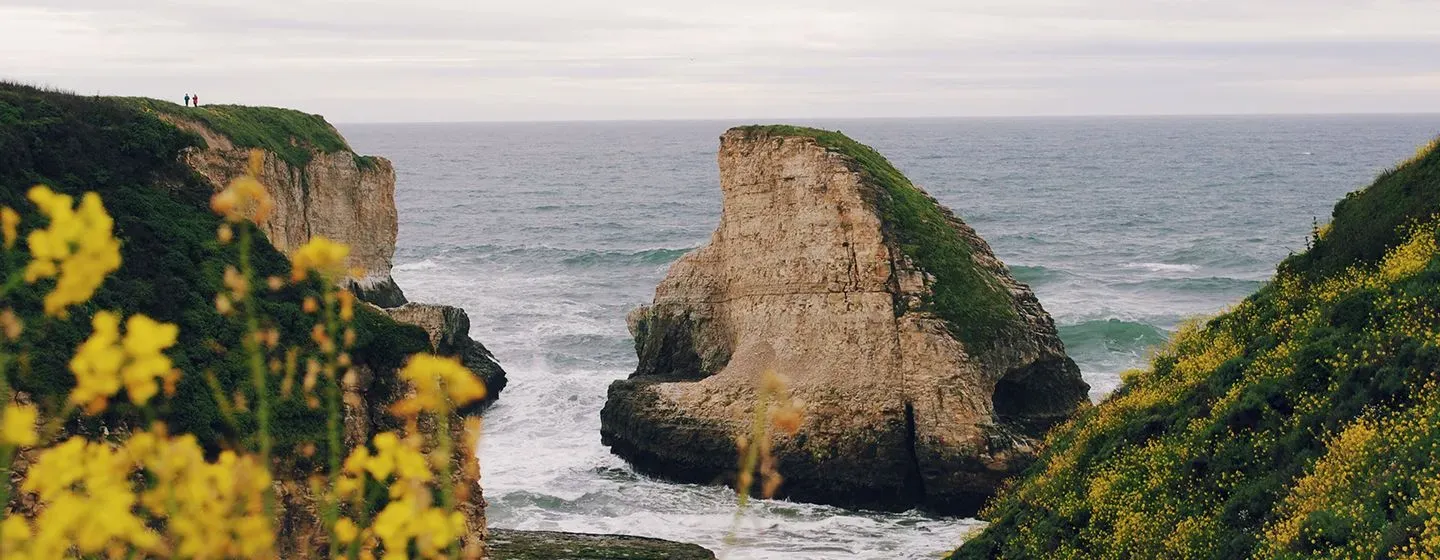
(1302, 423)
(172, 260)
(978, 310)
(291, 134)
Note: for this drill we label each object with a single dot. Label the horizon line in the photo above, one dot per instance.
(763, 120)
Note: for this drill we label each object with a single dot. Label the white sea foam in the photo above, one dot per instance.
(1163, 267)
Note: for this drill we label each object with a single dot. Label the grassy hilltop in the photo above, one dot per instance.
(1302, 423)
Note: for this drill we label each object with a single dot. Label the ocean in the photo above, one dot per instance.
(548, 233)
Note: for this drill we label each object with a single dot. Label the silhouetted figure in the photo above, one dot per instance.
(196, 98)
(187, 100)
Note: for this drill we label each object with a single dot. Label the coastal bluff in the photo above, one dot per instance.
(926, 370)
(320, 186)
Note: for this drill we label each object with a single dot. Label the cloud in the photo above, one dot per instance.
(427, 60)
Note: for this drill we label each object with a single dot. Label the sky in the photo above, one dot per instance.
(509, 60)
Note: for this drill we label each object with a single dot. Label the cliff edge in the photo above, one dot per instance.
(320, 186)
(925, 368)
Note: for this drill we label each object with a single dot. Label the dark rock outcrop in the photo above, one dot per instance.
(506, 544)
(449, 331)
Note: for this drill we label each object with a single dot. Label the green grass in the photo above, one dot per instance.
(969, 298)
(289, 133)
(172, 263)
(1367, 223)
(1249, 424)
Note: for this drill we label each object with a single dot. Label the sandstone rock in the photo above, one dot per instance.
(338, 195)
(449, 330)
(927, 370)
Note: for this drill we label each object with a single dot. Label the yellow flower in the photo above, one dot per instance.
(245, 198)
(325, 257)
(10, 224)
(88, 502)
(104, 361)
(345, 530)
(18, 427)
(78, 247)
(347, 305)
(439, 383)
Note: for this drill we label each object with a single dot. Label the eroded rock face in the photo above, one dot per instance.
(336, 195)
(449, 330)
(808, 274)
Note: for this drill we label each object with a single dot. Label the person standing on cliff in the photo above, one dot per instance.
(196, 98)
(187, 100)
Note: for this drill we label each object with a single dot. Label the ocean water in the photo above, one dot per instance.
(548, 233)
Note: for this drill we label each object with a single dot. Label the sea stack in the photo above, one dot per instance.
(927, 372)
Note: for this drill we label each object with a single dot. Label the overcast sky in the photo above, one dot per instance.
(460, 60)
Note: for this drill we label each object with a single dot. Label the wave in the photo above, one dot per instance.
(427, 264)
(1111, 336)
(1163, 267)
(1037, 275)
(647, 257)
(1206, 285)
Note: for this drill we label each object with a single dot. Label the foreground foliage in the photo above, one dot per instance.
(1303, 423)
(162, 367)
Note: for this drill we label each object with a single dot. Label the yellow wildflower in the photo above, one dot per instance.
(347, 305)
(245, 198)
(10, 324)
(104, 361)
(10, 224)
(18, 427)
(325, 257)
(89, 505)
(439, 383)
(13, 530)
(78, 247)
(345, 530)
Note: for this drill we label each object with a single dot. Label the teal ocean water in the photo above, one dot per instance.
(548, 233)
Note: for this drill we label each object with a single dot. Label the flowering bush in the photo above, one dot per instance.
(1302, 423)
(141, 491)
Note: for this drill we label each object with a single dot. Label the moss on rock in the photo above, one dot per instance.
(546, 545)
(977, 308)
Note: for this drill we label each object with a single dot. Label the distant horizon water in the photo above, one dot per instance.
(548, 233)
(741, 121)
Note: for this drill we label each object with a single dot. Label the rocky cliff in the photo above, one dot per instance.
(322, 187)
(325, 190)
(925, 368)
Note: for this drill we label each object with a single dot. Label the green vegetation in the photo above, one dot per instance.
(1364, 223)
(977, 308)
(289, 133)
(172, 265)
(1303, 423)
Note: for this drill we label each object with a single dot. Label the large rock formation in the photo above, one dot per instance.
(925, 368)
(335, 194)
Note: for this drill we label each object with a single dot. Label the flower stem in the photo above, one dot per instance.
(256, 360)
